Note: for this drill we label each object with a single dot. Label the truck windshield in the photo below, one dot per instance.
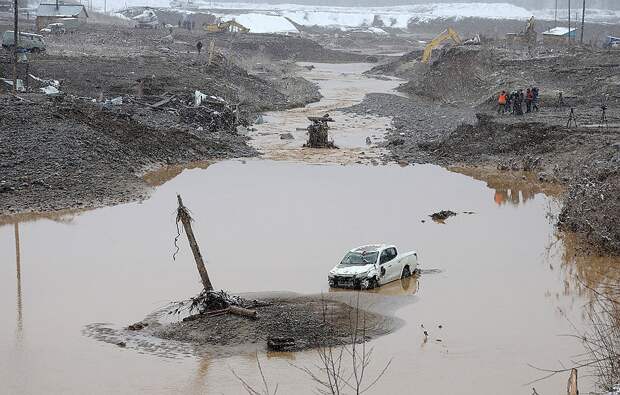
(359, 258)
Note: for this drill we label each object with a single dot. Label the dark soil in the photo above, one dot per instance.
(76, 152)
(310, 321)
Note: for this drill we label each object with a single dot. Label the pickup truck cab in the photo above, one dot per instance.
(371, 266)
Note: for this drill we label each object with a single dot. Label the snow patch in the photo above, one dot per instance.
(262, 23)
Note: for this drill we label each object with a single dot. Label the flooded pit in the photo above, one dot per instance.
(498, 281)
(267, 226)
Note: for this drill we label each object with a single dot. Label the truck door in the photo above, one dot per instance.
(389, 265)
(396, 266)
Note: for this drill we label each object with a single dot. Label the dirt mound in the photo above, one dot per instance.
(280, 47)
(75, 153)
(406, 66)
(93, 76)
(310, 321)
(461, 74)
(592, 206)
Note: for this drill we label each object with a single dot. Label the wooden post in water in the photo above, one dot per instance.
(184, 216)
(572, 383)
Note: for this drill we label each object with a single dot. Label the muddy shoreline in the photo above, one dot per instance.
(583, 161)
(82, 150)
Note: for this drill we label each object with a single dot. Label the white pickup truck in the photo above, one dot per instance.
(371, 266)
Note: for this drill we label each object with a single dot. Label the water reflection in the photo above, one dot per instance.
(66, 217)
(197, 386)
(405, 286)
(18, 269)
(159, 177)
(586, 271)
(511, 188)
(512, 196)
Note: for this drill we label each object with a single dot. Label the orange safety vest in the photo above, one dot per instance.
(502, 99)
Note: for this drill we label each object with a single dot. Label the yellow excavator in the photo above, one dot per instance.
(447, 34)
(231, 26)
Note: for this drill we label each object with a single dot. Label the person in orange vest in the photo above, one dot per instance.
(502, 102)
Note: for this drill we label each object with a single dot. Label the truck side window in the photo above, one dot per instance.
(388, 254)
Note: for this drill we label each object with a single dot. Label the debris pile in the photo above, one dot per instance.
(290, 323)
(442, 215)
(318, 133)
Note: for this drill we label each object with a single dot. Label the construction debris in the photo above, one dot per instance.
(318, 132)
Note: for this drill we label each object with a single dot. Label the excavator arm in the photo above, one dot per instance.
(447, 34)
(231, 26)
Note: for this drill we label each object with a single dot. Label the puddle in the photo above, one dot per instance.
(499, 283)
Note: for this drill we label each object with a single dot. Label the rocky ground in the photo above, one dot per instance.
(86, 148)
(310, 321)
(450, 119)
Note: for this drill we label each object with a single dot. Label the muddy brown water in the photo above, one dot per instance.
(496, 281)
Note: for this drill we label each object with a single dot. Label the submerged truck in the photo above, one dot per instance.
(371, 266)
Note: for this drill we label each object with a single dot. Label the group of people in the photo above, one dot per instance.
(512, 102)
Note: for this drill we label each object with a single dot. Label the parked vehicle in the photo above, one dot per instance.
(147, 20)
(371, 266)
(27, 42)
(54, 28)
(612, 42)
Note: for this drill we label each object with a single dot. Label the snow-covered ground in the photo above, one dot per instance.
(262, 23)
(263, 18)
(394, 16)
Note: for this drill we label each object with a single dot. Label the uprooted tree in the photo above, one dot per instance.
(208, 302)
(185, 218)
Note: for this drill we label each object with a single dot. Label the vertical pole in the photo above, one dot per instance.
(555, 15)
(185, 218)
(18, 269)
(572, 388)
(15, 42)
(569, 21)
(583, 20)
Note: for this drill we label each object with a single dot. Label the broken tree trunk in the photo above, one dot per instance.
(184, 216)
(238, 310)
(572, 383)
